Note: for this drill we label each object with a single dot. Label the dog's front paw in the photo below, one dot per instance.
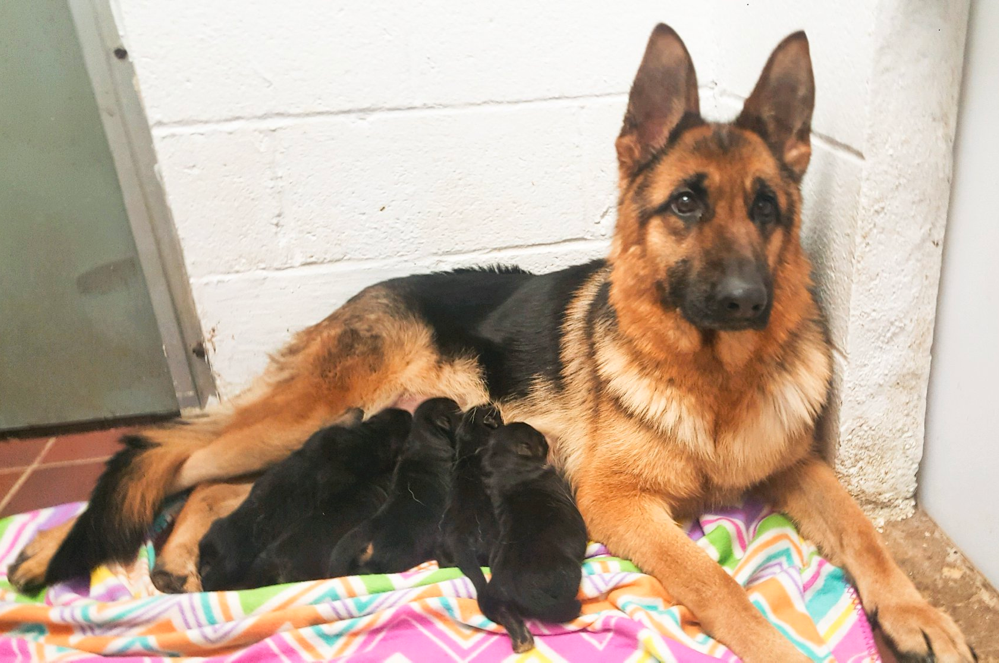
(917, 631)
(171, 582)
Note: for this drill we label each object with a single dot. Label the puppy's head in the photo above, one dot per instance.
(389, 428)
(440, 416)
(474, 430)
(708, 212)
(391, 422)
(219, 562)
(518, 443)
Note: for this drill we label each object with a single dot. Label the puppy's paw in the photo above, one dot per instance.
(917, 631)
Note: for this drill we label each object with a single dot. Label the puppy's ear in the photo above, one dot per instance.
(664, 93)
(781, 105)
(444, 422)
(524, 449)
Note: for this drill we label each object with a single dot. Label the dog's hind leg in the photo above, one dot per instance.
(147, 457)
(176, 568)
(367, 354)
(27, 573)
(361, 360)
(294, 415)
(466, 562)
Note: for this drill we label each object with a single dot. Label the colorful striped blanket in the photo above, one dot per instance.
(427, 613)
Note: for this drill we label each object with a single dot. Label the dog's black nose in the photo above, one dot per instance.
(740, 299)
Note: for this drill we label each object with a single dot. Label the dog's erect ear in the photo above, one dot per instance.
(781, 105)
(664, 91)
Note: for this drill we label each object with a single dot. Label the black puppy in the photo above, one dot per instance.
(469, 529)
(405, 531)
(302, 552)
(339, 465)
(537, 566)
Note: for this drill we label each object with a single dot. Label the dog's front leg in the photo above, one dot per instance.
(176, 568)
(638, 526)
(827, 515)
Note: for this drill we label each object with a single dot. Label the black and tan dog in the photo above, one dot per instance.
(686, 369)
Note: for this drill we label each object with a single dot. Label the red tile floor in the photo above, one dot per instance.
(45, 471)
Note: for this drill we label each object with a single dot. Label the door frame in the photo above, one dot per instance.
(131, 143)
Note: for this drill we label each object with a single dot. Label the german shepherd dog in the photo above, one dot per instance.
(685, 370)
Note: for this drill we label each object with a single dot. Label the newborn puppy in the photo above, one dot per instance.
(302, 552)
(536, 567)
(469, 529)
(331, 466)
(405, 531)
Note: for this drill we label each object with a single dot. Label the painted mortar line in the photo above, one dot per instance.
(279, 120)
(167, 127)
(24, 477)
(332, 267)
(836, 146)
(282, 119)
(829, 142)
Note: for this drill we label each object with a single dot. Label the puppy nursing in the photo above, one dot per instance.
(387, 494)
(333, 483)
(536, 568)
(404, 532)
(469, 530)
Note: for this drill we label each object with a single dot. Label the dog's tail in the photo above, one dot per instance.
(498, 609)
(128, 494)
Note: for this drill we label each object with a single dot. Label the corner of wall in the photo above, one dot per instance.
(903, 205)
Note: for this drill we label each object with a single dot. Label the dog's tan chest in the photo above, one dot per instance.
(684, 438)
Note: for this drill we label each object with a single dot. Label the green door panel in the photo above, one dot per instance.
(78, 337)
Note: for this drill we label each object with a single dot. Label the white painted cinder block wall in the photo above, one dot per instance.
(958, 474)
(309, 148)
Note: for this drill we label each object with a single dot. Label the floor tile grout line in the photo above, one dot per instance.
(25, 466)
(24, 477)
(11, 470)
(72, 462)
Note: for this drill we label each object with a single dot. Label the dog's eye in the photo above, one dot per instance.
(765, 210)
(685, 205)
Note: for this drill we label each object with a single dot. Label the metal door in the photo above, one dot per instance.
(78, 337)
